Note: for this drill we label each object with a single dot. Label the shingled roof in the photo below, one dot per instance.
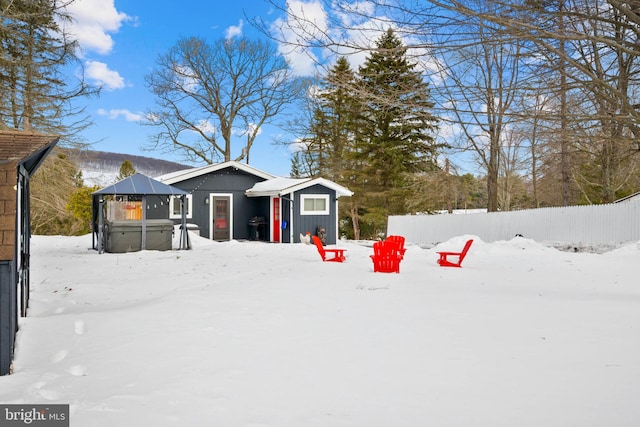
(29, 148)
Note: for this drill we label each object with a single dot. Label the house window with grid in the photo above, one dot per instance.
(314, 204)
(174, 206)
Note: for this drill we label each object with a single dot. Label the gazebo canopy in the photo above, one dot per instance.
(136, 185)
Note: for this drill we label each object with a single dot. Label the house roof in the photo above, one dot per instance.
(282, 186)
(183, 175)
(139, 184)
(28, 148)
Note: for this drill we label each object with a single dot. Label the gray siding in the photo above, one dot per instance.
(229, 181)
(8, 314)
(286, 216)
(158, 207)
(310, 223)
(236, 182)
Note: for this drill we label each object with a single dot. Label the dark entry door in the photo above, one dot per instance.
(276, 219)
(221, 218)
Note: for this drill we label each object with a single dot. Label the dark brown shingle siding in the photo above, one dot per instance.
(15, 146)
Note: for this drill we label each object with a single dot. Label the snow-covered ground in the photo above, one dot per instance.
(254, 334)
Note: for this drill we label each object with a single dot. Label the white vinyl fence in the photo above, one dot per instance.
(612, 223)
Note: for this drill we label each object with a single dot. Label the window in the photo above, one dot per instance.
(174, 206)
(314, 204)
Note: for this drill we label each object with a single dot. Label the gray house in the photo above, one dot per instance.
(233, 200)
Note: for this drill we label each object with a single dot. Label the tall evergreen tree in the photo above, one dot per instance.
(371, 131)
(126, 170)
(331, 129)
(332, 133)
(37, 94)
(395, 125)
(339, 106)
(339, 111)
(35, 90)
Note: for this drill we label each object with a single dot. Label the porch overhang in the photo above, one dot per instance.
(278, 187)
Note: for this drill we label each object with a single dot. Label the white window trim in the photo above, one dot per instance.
(303, 197)
(188, 200)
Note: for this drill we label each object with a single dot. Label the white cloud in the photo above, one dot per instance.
(207, 127)
(186, 78)
(103, 76)
(448, 130)
(303, 62)
(351, 14)
(253, 128)
(116, 113)
(94, 22)
(248, 128)
(350, 27)
(298, 145)
(313, 24)
(234, 30)
(314, 17)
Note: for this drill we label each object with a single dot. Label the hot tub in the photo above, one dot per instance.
(126, 236)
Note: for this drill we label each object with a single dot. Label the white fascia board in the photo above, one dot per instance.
(339, 189)
(186, 174)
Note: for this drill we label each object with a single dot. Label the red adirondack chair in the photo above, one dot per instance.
(444, 262)
(337, 254)
(399, 240)
(386, 257)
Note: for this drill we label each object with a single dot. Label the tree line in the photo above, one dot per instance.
(541, 94)
(372, 131)
(38, 94)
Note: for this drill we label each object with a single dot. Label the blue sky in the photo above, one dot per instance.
(120, 42)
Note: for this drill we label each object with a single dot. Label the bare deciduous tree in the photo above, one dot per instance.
(207, 93)
(567, 50)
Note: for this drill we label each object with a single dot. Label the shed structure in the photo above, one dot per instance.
(136, 185)
(21, 153)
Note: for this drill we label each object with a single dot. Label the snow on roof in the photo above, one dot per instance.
(280, 186)
(185, 174)
(273, 187)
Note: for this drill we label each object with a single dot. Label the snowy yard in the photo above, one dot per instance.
(248, 334)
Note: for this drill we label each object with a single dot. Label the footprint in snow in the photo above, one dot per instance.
(79, 327)
(59, 356)
(49, 394)
(77, 370)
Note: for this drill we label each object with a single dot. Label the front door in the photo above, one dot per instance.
(221, 217)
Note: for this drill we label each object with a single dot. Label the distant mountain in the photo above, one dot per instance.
(101, 168)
